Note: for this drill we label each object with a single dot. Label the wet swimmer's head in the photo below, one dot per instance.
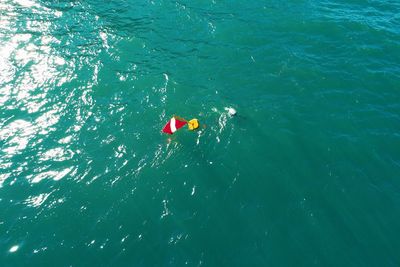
(231, 111)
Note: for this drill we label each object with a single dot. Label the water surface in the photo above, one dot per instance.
(306, 174)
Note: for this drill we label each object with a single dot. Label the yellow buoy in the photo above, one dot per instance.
(193, 124)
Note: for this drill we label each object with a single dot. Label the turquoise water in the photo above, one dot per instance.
(306, 174)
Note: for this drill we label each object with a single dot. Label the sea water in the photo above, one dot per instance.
(306, 174)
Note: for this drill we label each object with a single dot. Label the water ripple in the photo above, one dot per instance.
(85, 88)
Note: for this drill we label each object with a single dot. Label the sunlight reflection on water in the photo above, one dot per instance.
(31, 67)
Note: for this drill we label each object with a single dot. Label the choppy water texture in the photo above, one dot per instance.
(306, 174)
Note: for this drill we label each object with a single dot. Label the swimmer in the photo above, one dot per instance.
(231, 111)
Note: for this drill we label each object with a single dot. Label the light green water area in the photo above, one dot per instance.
(306, 174)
